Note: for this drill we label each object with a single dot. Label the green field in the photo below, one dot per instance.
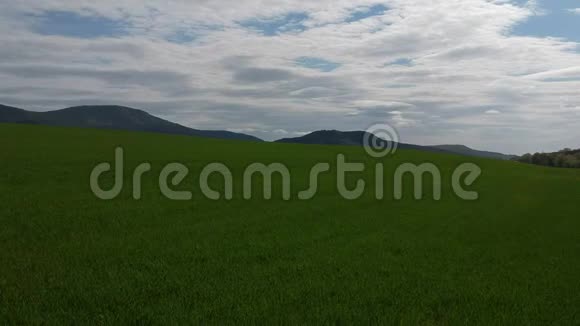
(510, 258)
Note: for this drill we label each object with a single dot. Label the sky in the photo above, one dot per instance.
(500, 75)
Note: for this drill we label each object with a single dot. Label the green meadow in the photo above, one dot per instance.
(512, 257)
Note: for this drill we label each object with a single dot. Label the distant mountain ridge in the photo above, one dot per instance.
(356, 138)
(110, 117)
(125, 118)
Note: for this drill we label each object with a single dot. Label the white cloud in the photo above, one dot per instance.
(464, 59)
(572, 73)
(575, 11)
(280, 132)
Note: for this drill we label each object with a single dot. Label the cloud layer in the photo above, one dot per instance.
(441, 71)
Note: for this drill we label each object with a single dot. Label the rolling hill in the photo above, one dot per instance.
(356, 138)
(347, 138)
(110, 117)
(509, 258)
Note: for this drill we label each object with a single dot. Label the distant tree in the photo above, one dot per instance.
(560, 160)
(526, 158)
(566, 158)
(571, 162)
(536, 159)
(575, 162)
(542, 159)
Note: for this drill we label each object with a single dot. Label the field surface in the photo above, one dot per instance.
(510, 258)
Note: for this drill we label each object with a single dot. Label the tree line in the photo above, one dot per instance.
(566, 158)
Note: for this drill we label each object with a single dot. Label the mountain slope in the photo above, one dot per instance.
(9, 114)
(110, 117)
(352, 138)
(464, 150)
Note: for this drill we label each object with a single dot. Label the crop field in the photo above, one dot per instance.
(510, 257)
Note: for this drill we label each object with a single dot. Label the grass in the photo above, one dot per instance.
(510, 258)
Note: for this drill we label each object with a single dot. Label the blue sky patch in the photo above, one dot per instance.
(317, 63)
(562, 79)
(192, 34)
(289, 23)
(556, 21)
(70, 24)
(183, 37)
(401, 62)
(366, 12)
